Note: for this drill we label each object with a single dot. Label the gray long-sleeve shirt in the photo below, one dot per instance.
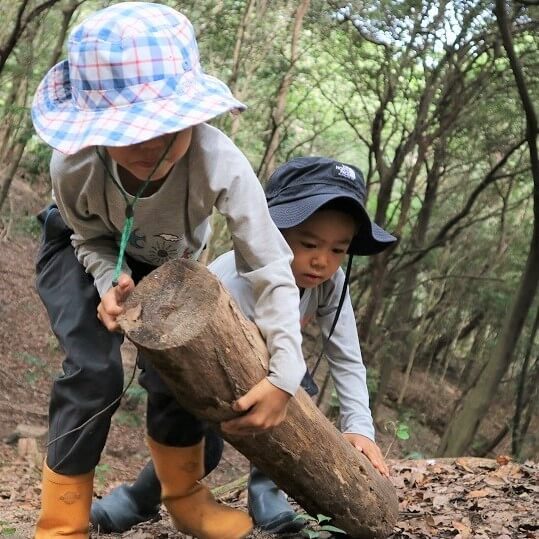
(174, 222)
(343, 350)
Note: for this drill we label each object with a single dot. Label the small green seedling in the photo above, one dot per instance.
(401, 431)
(322, 525)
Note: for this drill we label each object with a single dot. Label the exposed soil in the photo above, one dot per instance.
(461, 499)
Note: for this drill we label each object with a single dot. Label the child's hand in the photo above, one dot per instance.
(265, 407)
(370, 450)
(111, 305)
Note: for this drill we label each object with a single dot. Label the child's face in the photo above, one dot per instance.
(319, 245)
(140, 159)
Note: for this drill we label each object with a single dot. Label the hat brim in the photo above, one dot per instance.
(371, 239)
(67, 128)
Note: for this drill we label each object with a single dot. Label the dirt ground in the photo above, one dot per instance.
(460, 498)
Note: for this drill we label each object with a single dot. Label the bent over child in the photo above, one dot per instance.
(318, 205)
(136, 174)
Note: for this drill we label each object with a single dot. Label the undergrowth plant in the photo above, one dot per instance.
(322, 523)
(401, 431)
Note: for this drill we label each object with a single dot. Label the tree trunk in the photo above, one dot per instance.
(189, 328)
(7, 178)
(474, 405)
(21, 22)
(523, 388)
(17, 151)
(277, 116)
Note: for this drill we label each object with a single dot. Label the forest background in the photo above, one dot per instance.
(436, 102)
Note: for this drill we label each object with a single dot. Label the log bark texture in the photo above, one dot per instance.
(184, 322)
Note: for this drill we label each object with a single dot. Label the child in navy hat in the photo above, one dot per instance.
(319, 206)
(136, 174)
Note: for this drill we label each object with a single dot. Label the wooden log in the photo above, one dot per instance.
(187, 325)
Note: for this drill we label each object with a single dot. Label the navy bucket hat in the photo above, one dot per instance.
(303, 185)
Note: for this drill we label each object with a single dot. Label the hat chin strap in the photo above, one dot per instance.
(130, 206)
(337, 313)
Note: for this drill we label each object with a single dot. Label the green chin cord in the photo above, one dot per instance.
(130, 207)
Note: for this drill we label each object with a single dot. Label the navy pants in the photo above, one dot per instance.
(92, 375)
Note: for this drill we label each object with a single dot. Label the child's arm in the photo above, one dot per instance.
(265, 400)
(348, 372)
(265, 403)
(263, 259)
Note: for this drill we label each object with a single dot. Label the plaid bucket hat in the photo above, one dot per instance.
(303, 185)
(132, 73)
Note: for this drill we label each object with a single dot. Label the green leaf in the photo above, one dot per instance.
(403, 431)
(310, 534)
(322, 518)
(329, 528)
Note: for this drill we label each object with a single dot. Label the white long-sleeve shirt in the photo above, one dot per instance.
(174, 222)
(343, 350)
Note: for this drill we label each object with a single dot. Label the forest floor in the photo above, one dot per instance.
(454, 498)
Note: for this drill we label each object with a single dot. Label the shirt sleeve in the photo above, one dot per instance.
(263, 258)
(93, 239)
(345, 360)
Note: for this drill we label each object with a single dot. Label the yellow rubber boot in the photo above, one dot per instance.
(191, 505)
(65, 505)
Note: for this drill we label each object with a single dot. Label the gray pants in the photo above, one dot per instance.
(92, 375)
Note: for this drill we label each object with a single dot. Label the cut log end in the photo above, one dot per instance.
(160, 314)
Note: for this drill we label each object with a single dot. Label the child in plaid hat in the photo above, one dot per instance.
(318, 204)
(136, 174)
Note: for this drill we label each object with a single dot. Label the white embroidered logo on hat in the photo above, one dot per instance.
(345, 171)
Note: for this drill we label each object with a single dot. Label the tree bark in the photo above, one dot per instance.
(19, 27)
(7, 179)
(16, 152)
(188, 327)
(277, 116)
(474, 405)
(523, 388)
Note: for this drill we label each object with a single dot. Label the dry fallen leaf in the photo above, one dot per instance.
(463, 527)
(463, 463)
(511, 470)
(481, 493)
(494, 481)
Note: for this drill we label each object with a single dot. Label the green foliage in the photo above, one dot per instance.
(101, 472)
(373, 379)
(27, 225)
(128, 418)
(6, 529)
(129, 413)
(321, 524)
(36, 368)
(134, 396)
(401, 431)
(414, 455)
(52, 343)
(36, 160)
